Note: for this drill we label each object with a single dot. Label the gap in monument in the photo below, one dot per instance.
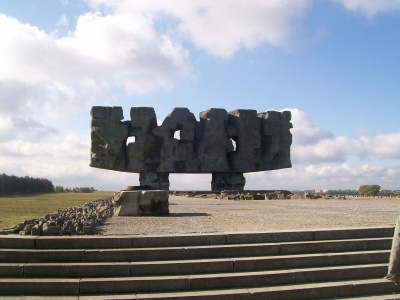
(130, 139)
(233, 144)
(177, 135)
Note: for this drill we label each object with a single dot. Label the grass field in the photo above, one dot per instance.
(18, 208)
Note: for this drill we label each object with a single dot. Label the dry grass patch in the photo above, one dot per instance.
(17, 208)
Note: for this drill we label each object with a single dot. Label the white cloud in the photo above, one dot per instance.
(61, 27)
(313, 144)
(219, 27)
(126, 50)
(305, 131)
(62, 22)
(64, 160)
(335, 149)
(49, 99)
(385, 145)
(43, 78)
(14, 127)
(190, 182)
(370, 7)
(340, 176)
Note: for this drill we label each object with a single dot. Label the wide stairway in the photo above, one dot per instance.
(323, 264)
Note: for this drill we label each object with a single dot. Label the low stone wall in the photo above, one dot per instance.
(75, 220)
(237, 195)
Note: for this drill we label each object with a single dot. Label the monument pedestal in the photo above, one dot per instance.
(142, 203)
(227, 181)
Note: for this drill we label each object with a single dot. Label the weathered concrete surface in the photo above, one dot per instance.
(141, 203)
(157, 181)
(109, 137)
(221, 142)
(227, 180)
(205, 215)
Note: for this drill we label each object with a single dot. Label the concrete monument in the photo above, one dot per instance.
(226, 144)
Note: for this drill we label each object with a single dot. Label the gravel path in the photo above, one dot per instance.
(197, 215)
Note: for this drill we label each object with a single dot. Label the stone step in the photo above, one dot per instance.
(244, 294)
(388, 296)
(127, 284)
(323, 290)
(183, 267)
(98, 242)
(241, 294)
(191, 252)
(232, 280)
(281, 265)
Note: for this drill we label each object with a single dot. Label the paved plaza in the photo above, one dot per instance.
(204, 215)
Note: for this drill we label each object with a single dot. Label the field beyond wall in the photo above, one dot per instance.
(18, 208)
(207, 215)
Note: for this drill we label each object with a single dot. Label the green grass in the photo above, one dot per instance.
(18, 208)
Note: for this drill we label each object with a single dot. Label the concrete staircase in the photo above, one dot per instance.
(323, 264)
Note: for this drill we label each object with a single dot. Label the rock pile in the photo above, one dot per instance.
(75, 220)
(238, 195)
(255, 195)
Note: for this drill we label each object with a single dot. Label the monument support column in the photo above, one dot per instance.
(227, 181)
(157, 181)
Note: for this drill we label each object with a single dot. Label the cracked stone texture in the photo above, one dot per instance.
(109, 137)
(203, 215)
(141, 203)
(262, 141)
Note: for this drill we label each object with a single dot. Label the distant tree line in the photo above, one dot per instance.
(342, 192)
(61, 189)
(368, 190)
(390, 193)
(10, 184)
(24, 185)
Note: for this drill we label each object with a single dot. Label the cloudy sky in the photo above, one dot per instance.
(335, 64)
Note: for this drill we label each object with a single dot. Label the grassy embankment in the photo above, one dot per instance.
(17, 208)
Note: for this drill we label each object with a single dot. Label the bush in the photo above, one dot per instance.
(369, 190)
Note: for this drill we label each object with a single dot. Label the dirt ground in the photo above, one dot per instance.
(197, 215)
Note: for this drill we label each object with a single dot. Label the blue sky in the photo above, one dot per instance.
(335, 64)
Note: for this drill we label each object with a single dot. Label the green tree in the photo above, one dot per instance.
(369, 190)
(2, 187)
(85, 190)
(23, 185)
(59, 189)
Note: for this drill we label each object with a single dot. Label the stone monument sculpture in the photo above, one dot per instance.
(226, 144)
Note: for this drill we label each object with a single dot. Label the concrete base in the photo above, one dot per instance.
(227, 181)
(141, 203)
(156, 181)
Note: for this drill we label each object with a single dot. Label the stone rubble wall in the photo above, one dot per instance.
(76, 220)
(238, 195)
(256, 195)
